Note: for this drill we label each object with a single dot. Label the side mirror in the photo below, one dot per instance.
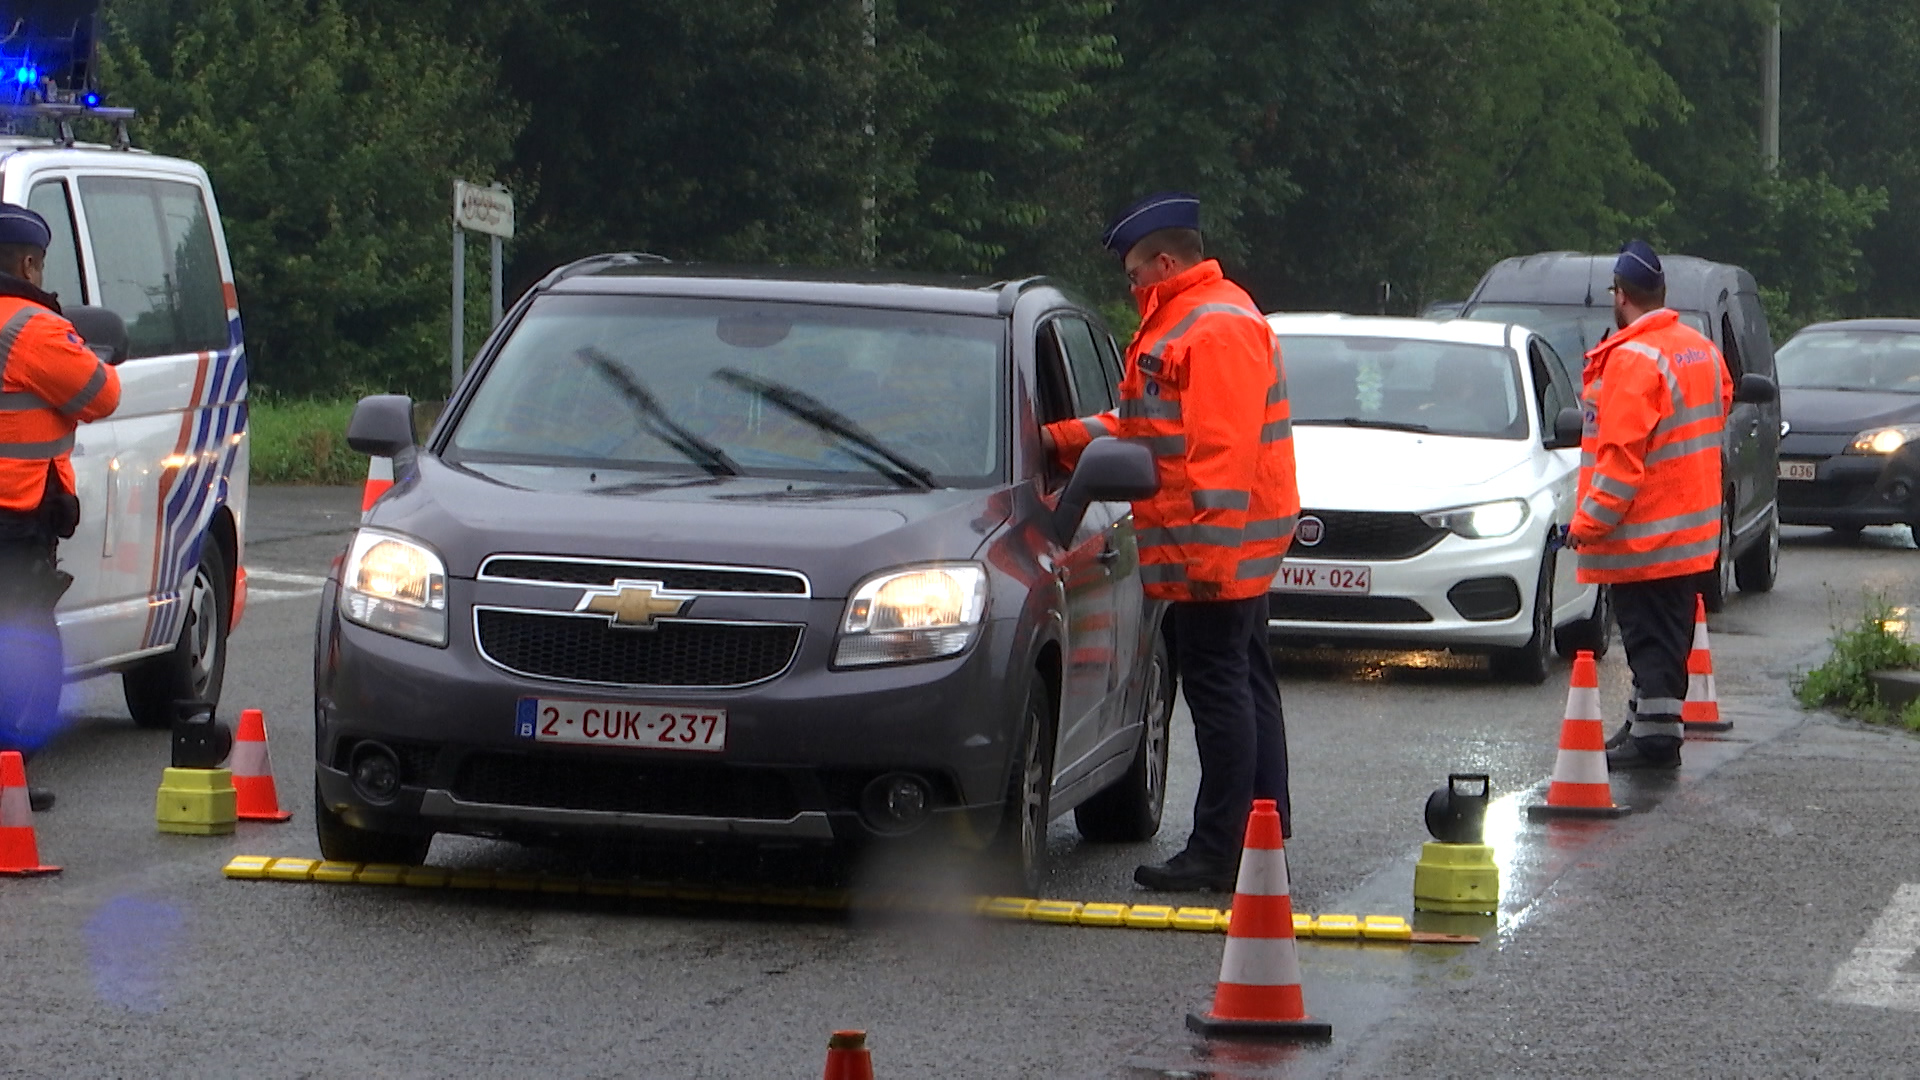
(1568, 427)
(1110, 470)
(103, 331)
(1756, 390)
(382, 425)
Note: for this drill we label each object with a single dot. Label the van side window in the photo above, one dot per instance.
(1091, 392)
(63, 278)
(1730, 348)
(159, 271)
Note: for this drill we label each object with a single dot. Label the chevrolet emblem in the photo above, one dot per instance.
(633, 605)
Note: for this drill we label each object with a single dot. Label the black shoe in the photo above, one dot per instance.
(40, 799)
(1620, 737)
(1186, 872)
(1649, 753)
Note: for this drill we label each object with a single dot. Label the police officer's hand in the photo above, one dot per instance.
(1046, 440)
(1205, 590)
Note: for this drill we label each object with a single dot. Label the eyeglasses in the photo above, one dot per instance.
(1133, 273)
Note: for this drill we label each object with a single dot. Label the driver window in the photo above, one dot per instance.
(1090, 389)
(1549, 383)
(1053, 396)
(1730, 349)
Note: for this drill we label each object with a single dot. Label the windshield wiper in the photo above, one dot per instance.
(1383, 425)
(661, 426)
(818, 414)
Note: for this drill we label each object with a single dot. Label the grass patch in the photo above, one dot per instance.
(1877, 642)
(302, 442)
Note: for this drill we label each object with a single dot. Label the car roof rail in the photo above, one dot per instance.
(1010, 292)
(595, 263)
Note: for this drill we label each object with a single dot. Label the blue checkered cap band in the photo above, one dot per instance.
(19, 225)
(1639, 266)
(1162, 210)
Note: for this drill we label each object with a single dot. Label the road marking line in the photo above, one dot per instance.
(285, 578)
(1872, 975)
(257, 595)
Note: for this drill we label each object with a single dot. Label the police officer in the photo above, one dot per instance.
(1647, 521)
(1204, 389)
(50, 383)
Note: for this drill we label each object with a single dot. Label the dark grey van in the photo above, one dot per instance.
(1563, 296)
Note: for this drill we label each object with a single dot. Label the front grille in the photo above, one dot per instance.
(633, 787)
(671, 654)
(1355, 534)
(1311, 607)
(711, 579)
(1824, 494)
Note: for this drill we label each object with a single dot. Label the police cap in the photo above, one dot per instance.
(19, 225)
(1639, 267)
(1162, 210)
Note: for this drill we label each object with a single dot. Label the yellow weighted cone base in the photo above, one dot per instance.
(196, 802)
(1458, 879)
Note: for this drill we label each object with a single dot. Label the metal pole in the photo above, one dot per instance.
(869, 201)
(498, 246)
(1770, 97)
(459, 301)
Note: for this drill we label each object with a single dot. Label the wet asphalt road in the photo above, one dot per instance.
(1698, 936)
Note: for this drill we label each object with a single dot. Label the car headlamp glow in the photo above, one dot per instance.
(914, 613)
(1487, 521)
(395, 585)
(1886, 440)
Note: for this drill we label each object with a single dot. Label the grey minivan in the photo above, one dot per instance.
(1563, 296)
(771, 556)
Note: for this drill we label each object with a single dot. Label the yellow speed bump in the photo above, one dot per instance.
(292, 869)
(1014, 908)
(1386, 928)
(1149, 917)
(1103, 915)
(1203, 919)
(336, 873)
(248, 867)
(1064, 912)
(379, 874)
(1336, 926)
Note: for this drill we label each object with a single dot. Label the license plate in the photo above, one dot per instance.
(1323, 578)
(1796, 470)
(600, 723)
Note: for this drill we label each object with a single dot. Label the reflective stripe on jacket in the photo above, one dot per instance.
(1206, 392)
(50, 383)
(1655, 399)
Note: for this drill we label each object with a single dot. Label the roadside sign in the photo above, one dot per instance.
(483, 209)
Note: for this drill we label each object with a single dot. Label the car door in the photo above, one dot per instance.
(1743, 429)
(1756, 357)
(1552, 392)
(1088, 568)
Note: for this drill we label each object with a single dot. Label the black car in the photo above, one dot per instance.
(1850, 413)
(702, 554)
(1562, 295)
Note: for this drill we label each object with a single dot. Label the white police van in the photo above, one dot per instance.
(158, 581)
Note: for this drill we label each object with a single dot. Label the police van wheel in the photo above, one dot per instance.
(1530, 663)
(1717, 584)
(1757, 570)
(1019, 849)
(341, 842)
(197, 666)
(1129, 811)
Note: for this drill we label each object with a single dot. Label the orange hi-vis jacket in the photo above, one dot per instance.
(1656, 396)
(1204, 390)
(50, 383)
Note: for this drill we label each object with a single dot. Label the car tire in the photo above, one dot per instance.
(1759, 568)
(1019, 851)
(1717, 584)
(1530, 663)
(196, 667)
(341, 842)
(1129, 811)
(1848, 533)
(1592, 634)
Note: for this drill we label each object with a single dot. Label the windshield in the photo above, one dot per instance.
(1572, 329)
(736, 387)
(1885, 360)
(1427, 386)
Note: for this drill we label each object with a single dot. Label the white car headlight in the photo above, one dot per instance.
(1886, 440)
(1487, 521)
(395, 585)
(914, 613)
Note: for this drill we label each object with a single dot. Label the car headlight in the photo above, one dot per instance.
(1886, 440)
(396, 586)
(1487, 521)
(914, 613)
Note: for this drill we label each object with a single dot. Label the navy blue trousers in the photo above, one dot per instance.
(1227, 674)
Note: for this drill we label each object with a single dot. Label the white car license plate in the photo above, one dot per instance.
(1323, 578)
(1796, 470)
(601, 723)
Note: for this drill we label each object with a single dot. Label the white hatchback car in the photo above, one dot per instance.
(1431, 485)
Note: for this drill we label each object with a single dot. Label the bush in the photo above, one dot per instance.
(1877, 642)
(302, 442)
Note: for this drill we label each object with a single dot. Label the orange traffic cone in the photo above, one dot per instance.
(1580, 786)
(847, 1057)
(256, 799)
(1701, 710)
(19, 853)
(379, 480)
(1258, 995)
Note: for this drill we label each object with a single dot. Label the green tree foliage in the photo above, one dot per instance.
(332, 141)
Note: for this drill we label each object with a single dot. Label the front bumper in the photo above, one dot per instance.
(1409, 604)
(801, 747)
(1853, 490)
